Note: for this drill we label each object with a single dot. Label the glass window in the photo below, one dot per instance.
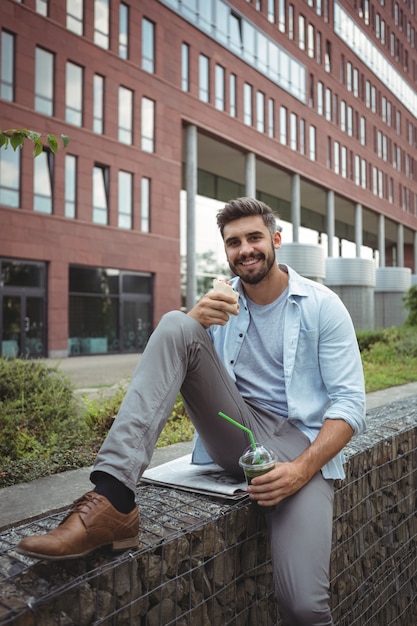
(247, 104)
(271, 11)
(204, 79)
(328, 105)
(148, 125)
(10, 177)
(283, 125)
(185, 67)
(336, 157)
(98, 104)
(301, 32)
(312, 142)
(271, 118)
(42, 182)
(42, 7)
(232, 95)
(281, 15)
(125, 115)
(75, 16)
(44, 82)
(293, 131)
(70, 185)
(125, 200)
(320, 98)
(343, 116)
(145, 205)
(219, 87)
(100, 194)
(123, 31)
(7, 66)
(302, 136)
(260, 112)
(74, 94)
(101, 23)
(148, 46)
(344, 161)
(310, 41)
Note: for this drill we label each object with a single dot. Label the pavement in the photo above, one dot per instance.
(26, 502)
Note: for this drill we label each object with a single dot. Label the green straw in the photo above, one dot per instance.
(229, 419)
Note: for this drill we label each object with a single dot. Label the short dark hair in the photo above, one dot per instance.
(244, 207)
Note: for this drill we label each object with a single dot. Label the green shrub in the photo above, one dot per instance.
(366, 338)
(37, 409)
(410, 303)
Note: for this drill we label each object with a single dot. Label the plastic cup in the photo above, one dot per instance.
(254, 462)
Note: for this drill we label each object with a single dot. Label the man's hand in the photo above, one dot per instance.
(214, 308)
(287, 478)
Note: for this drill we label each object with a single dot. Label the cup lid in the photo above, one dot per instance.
(257, 456)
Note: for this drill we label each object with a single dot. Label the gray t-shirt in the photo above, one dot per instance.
(259, 368)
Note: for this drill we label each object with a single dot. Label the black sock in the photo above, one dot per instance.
(120, 496)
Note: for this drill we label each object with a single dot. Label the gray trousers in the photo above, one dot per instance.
(180, 357)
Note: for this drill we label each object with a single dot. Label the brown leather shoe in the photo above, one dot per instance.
(91, 523)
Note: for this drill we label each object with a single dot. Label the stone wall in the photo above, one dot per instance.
(205, 562)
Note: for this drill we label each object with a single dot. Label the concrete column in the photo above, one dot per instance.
(400, 245)
(381, 240)
(250, 175)
(295, 207)
(358, 229)
(191, 189)
(330, 221)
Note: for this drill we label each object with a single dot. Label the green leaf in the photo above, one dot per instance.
(52, 142)
(32, 135)
(4, 140)
(38, 148)
(16, 139)
(65, 140)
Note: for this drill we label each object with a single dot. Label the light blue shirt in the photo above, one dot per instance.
(322, 363)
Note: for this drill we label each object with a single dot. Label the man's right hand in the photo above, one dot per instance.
(214, 308)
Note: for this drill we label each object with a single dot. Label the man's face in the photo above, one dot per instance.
(250, 248)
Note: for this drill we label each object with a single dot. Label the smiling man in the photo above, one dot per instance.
(284, 361)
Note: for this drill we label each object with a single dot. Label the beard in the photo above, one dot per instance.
(253, 278)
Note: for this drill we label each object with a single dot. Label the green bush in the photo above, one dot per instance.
(366, 338)
(410, 303)
(38, 413)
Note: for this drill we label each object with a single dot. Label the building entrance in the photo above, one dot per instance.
(22, 309)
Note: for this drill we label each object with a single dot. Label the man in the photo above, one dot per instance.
(284, 361)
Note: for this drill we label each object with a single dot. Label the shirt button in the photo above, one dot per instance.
(231, 362)
(240, 334)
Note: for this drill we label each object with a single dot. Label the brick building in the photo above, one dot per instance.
(310, 106)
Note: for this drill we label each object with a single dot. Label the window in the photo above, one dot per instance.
(232, 95)
(125, 116)
(301, 32)
(350, 121)
(44, 82)
(281, 15)
(364, 181)
(98, 103)
(293, 131)
(123, 31)
(185, 67)
(283, 125)
(204, 79)
(145, 204)
(7, 66)
(271, 11)
(74, 94)
(125, 204)
(148, 46)
(310, 41)
(42, 182)
(328, 57)
(75, 16)
(260, 112)
(42, 7)
(70, 185)
(10, 178)
(100, 194)
(363, 131)
(271, 118)
(328, 105)
(312, 142)
(357, 170)
(219, 87)
(336, 157)
(320, 98)
(302, 136)
(247, 104)
(101, 23)
(148, 125)
(344, 161)
(291, 21)
(343, 116)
